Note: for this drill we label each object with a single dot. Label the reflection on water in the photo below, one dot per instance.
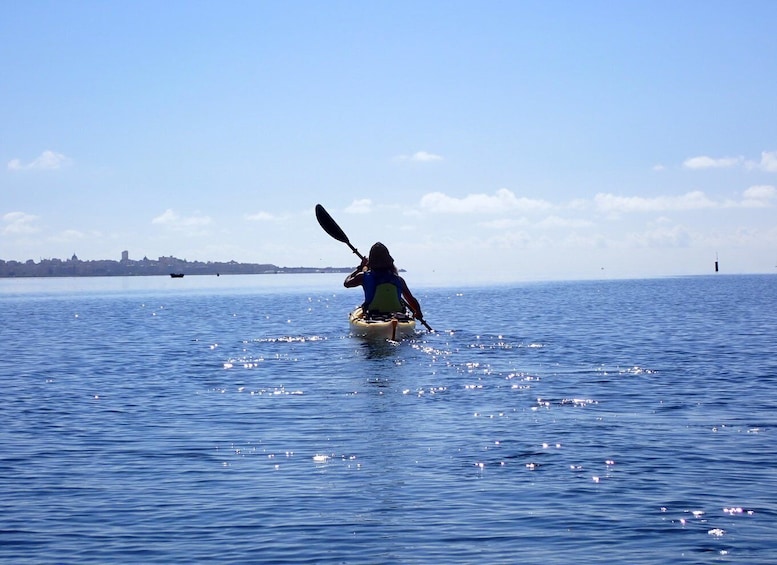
(379, 349)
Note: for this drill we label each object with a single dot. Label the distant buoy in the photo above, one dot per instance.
(716, 262)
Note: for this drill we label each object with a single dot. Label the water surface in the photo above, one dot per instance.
(234, 419)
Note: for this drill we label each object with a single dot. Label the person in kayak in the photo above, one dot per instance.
(385, 292)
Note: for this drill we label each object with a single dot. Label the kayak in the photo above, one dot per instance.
(393, 327)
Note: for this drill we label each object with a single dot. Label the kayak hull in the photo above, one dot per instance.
(392, 328)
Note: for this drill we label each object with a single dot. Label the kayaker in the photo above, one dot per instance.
(385, 292)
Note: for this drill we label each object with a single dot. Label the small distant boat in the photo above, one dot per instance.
(176, 275)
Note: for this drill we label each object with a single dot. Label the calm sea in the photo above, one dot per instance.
(234, 420)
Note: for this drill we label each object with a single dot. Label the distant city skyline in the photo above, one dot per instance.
(164, 265)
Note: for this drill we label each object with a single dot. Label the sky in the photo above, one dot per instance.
(480, 141)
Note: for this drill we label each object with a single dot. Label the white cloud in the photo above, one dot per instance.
(556, 222)
(503, 223)
(423, 157)
(768, 162)
(551, 222)
(363, 206)
(578, 204)
(19, 223)
(167, 217)
(704, 162)
(612, 204)
(260, 217)
(48, 160)
(420, 157)
(502, 201)
(172, 220)
(759, 196)
(760, 192)
(72, 235)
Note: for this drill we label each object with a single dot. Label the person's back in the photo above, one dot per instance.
(385, 292)
(382, 292)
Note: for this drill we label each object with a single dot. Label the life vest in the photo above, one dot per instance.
(382, 292)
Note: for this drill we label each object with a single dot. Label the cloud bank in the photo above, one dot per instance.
(768, 162)
(611, 203)
(502, 201)
(505, 201)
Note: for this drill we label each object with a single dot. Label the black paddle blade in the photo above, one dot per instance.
(329, 225)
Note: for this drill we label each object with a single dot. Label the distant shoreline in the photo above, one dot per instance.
(163, 266)
(280, 271)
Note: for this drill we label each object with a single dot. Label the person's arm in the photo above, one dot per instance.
(411, 301)
(355, 279)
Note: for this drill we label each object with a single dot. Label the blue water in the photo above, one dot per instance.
(234, 420)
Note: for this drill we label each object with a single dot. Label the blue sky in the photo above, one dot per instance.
(478, 140)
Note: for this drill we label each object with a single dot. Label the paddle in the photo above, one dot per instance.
(330, 226)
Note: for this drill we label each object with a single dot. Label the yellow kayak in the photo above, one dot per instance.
(394, 327)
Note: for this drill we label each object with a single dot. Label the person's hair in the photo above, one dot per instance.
(380, 258)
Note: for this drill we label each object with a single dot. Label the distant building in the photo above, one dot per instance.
(125, 256)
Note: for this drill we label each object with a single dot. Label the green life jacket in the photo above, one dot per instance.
(382, 292)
